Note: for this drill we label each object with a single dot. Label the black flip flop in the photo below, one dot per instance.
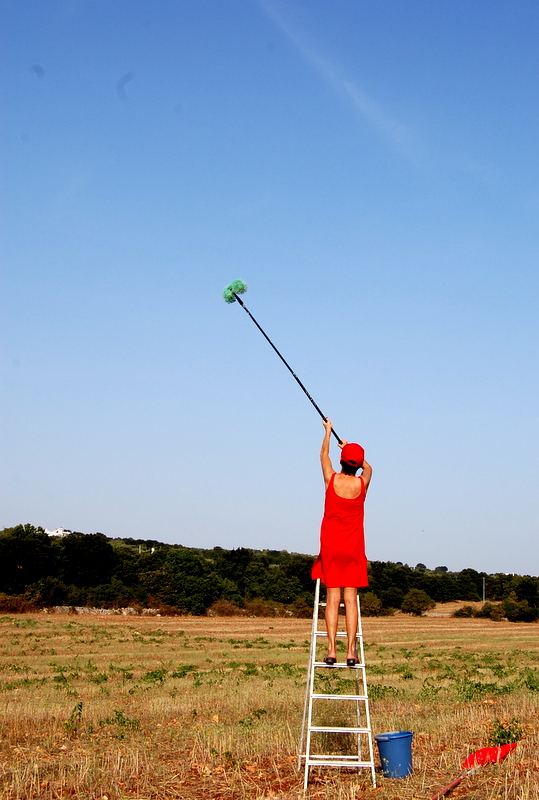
(330, 661)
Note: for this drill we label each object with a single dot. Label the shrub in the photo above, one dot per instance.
(224, 608)
(371, 605)
(392, 597)
(464, 611)
(301, 609)
(416, 602)
(493, 611)
(15, 604)
(505, 732)
(377, 691)
(263, 608)
(157, 606)
(531, 680)
(466, 689)
(516, 611)
(47, 592)
(168, 611)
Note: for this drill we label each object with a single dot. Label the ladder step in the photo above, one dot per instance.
(323, 605)
(334, 757)
(339, 697)
(320, 729)
(337, 666)
(339, 761)
(340, 634)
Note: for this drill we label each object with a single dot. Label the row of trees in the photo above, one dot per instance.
(90, 569)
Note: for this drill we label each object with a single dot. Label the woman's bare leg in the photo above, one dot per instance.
(350, 604)
(333, 602)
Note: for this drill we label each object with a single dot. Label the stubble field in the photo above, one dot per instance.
(182, 707)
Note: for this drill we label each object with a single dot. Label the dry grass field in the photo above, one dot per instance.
(181, 707)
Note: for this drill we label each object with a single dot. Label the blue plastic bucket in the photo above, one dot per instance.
(395, 753)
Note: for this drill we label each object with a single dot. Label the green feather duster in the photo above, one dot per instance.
(236, 287)
(231, 295)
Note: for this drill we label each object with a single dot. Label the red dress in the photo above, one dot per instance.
(342, 560)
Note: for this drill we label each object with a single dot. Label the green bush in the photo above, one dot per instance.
(519, 611)
(505, 732)
(465, 611)
(224, 608)
(416, 602)
(13, 604)
(301, 609)
(493, 611)
(371, 605)
(263, 608)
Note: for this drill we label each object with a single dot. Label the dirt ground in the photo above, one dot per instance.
(110, 708)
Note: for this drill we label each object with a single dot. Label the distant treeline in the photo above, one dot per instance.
(77, 569)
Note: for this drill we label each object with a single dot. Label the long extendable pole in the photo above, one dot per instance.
(287, 365)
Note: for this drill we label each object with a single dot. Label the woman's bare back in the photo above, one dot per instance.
(347, 486)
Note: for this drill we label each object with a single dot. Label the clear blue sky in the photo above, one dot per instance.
(370, 169)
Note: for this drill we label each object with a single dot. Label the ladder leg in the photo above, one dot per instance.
(359, 690)
(308, 685)
(306, 778)
(365, 692)
(358, 716)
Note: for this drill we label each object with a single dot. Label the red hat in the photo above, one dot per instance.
(353, 454)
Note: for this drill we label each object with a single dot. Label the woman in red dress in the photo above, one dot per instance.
(342, 562)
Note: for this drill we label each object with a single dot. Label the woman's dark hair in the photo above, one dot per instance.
(348, 469)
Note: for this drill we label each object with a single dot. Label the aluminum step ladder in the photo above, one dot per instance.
(354, 705)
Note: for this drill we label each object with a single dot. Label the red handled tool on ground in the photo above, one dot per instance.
(487, 755)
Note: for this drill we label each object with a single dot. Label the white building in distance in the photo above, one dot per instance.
(57, 532)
